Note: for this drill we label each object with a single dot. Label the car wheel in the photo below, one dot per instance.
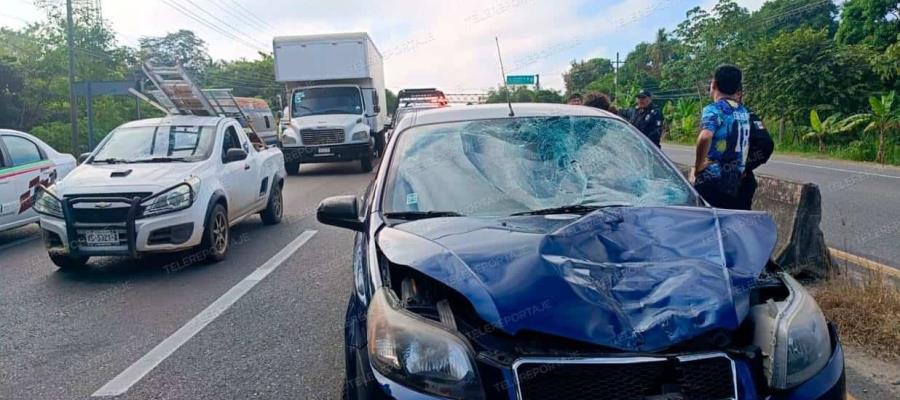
(216, 235)
(66, 262)
(292, 168)
(274, 208)
(366, 163)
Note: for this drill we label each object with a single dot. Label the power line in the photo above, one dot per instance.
(188, 13)
(250, 14)
(203, 10)
(230, 10)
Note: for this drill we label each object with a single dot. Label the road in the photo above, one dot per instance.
(860, 202)
(67, 335)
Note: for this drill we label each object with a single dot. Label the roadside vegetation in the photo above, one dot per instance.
(866, 310)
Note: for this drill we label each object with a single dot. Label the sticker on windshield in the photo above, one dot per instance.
(412, 198)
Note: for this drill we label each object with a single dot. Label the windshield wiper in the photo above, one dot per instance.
(159, 160)
(571, 209)
(416, 215)
(109, 161)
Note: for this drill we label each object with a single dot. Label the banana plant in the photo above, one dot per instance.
(820, 129)
(883, 120)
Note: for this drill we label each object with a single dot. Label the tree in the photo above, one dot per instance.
(583, 72)
(11, 85)
(778, 16)
(247, 78)
(819, 129)
(872, 22)
(182, 46)
(884, 118)
(391, 100)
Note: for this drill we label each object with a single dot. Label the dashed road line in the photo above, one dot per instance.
(864, 262)
(131, 375)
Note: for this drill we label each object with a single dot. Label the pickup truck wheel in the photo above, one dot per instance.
(215, 235)
(274, 208)
(366, 163)
(292, 168)
(68, 263)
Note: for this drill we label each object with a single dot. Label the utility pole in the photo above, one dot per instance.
(73, 105)
(537, 82)
(616, 77)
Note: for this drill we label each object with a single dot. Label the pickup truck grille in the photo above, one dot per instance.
(114, 213)
(710, 377)
(315, 137)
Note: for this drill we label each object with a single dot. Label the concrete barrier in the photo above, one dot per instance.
(796, 208)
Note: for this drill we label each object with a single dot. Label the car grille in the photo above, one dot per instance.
(700, 378)
(117, 212)
(314, 137)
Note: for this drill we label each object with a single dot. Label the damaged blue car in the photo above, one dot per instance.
(553, 252)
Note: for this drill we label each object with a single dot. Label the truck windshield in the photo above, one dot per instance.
(326, 100)
(156, 144)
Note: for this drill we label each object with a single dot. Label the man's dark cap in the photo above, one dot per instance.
(644, 93)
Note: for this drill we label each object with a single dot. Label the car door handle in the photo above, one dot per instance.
(246, 167)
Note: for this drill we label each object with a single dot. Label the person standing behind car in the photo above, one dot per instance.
(759, 151)
(599, 100)
(574, 99)
(646, 117)
(723, 141)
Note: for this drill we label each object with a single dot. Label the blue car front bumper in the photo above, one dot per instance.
(826, 385)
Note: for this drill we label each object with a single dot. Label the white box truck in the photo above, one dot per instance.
(336, 100)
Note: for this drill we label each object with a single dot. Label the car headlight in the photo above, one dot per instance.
(46, 202)
(288, 139)
(418, 352)
(178, 197)
(802, 344)
(361, 135)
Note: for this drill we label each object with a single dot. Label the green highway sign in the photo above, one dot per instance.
(520, 79)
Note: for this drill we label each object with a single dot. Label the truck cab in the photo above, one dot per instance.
(331, 123)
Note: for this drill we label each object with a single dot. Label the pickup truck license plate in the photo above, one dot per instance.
(324, 150)
(101, 238)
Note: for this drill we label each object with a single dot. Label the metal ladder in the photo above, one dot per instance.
(180, 95)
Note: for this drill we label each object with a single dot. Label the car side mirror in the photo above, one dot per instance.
(376, 108)
(340, 211)
(83, 157)
(235, 155)
(389, 125)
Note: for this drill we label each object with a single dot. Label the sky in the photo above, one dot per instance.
(426, 43)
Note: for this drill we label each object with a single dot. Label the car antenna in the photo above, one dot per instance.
(503, 75)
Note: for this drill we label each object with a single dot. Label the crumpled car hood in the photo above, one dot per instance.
(634, 279)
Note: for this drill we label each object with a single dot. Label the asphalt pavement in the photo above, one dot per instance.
(860, 201)
(266, 323)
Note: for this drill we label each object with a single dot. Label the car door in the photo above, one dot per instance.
(258, 175)
(25, 167)
(238, 176)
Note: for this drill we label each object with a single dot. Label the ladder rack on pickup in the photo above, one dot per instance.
(180, 95)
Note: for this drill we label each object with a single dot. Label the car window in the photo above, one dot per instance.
(268, 123)
(22, 151)
(501, 167)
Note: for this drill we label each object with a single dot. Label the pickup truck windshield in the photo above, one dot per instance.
(157, 144)
(529, 165)
(326, 100)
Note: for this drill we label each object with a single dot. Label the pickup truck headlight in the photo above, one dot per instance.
(802, 341)
(46, 202)
(176, 198)
(418, 352)
(361, 135)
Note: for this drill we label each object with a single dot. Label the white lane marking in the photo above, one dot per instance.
(17, 242)
(131, 375)
(774, 161)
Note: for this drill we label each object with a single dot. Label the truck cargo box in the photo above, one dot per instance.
(327, 57)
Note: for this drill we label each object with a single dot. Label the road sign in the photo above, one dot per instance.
(520, 79)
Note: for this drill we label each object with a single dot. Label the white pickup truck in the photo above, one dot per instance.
(161, 185)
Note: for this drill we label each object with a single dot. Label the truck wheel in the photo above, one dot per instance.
(292, 168)
(366, 162)
(67, 262)
(215, 235)
(274, 208)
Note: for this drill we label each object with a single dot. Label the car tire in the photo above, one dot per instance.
(66, 262)
(292, 168)
(274, 207)
(216, 235)
(366, 163)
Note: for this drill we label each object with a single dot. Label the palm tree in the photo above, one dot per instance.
(883, 119)
(822, 129)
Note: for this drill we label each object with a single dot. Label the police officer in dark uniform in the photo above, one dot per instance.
(646, 117)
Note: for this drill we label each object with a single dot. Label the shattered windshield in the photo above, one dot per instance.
(520, 165)
(156, 144)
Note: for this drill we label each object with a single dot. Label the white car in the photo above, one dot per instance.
(162, 185)
(25, 163)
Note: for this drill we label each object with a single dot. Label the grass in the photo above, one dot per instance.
(865, 309)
